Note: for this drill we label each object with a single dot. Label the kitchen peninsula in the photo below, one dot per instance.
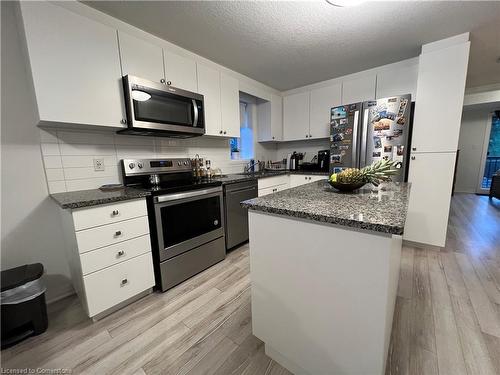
(324, 271)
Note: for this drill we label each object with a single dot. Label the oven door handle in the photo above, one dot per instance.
(187, 194)
(195, 112)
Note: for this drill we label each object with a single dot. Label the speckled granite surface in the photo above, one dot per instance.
(383, 210)
(87, 198)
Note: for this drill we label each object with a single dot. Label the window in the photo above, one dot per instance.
(242, 147)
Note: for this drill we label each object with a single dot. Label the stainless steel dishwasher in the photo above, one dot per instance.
(236, 217)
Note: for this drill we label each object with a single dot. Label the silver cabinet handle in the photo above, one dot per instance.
(118, 233)
(124, 282)
(413, 158)
(224, 132)
(305, 178)
(414, 148)
(115, 212)
(273, 137)
(169, 83)
(162, 80)
(220, 132)
(121, 253)
(309, 178)
(310, 135)
(123, 121)
(307, 136)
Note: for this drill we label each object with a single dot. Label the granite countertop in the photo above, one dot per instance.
(87, 198)
(380, 210)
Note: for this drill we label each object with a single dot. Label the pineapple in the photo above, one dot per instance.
(375, 173)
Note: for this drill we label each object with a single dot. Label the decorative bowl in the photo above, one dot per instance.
(346, 187)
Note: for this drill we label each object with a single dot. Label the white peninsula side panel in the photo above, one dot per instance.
(323, 296)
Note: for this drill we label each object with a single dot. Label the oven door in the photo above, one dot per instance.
(155, 106)
(187, 220)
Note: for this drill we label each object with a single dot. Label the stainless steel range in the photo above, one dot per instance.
(185, 216)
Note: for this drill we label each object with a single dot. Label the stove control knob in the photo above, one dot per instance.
(186, 163)
(131, 165)
(179, 163)
(140, 165)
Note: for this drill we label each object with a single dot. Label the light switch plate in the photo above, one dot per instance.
(98, 164)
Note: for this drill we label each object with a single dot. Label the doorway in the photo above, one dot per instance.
(490, 162)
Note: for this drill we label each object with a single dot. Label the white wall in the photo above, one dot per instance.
(470, 144)
(310, 147)
(31, 230)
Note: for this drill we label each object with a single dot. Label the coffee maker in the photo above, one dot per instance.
(324, 160)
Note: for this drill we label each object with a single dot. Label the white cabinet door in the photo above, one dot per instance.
(358, 89)
(209, 87)
(440, 92)
(140, 58)
(75, 66)
(270, 119)
(230, 105)
(322, 100)
(276, 117)
(398, 82)
(431, 177)
(296, 116)
(180, 71)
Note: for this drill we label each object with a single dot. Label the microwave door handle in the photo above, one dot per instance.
(195, 111)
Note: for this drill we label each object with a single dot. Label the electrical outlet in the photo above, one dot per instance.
(98, 164)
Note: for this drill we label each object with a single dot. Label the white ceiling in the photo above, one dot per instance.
(290, 44)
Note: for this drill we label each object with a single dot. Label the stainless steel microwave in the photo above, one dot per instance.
(157, 109)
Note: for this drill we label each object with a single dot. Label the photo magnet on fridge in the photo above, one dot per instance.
(377, 142)
(338, 113)
(376, 154)
(387, 148)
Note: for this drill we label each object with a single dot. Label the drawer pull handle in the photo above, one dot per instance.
(121, 253)
(118, 233)
(115, 212)
(124, 282)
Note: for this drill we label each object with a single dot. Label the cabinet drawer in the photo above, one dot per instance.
(107, 256)
(273, 181)
(94, 238)
(92, 217)
(108, 287)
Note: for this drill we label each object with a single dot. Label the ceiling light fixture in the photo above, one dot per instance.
(345, 3)
(140, 96)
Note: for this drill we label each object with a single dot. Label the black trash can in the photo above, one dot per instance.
(22, 297)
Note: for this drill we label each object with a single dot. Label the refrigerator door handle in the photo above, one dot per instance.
(364, 139)
(355, 161)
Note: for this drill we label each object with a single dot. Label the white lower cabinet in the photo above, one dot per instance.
(111, 286)
(300, 179)
(431, 178)
(271, 185)
(110, 262)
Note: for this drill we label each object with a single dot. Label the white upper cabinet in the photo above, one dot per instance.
(140, 58)
(276, 117)
(230, 105)
(209, 87)
(180, 71)
(270, 119)
(322, 100)
(75, 66)
(440, 92)
(358, 89)
(398, 81)
(296, 116)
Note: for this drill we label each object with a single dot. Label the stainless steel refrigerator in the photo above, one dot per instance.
(362, 133)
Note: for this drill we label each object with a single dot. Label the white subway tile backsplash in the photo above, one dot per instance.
(69, 155)
(50, 149)
(87, 149)
(56, 187)
(76, 161)
(52, 162)
(54, 174)
(85, 173)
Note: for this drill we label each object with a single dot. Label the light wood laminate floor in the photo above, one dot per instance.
(447, 317)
